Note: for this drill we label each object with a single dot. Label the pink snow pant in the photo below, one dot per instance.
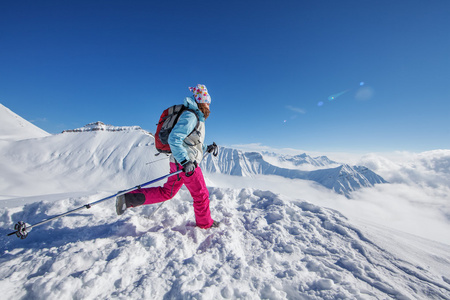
(196, 186)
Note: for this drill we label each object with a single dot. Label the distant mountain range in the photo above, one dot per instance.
(341, 178)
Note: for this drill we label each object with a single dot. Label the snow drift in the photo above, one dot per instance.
(268, 247)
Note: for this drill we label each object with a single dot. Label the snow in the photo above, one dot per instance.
(16, 128)
(277, 240)
(301, 161)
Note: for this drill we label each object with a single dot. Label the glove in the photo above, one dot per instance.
(189, 168)
(213, 149)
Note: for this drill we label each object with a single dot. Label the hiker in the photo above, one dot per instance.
(186, 145)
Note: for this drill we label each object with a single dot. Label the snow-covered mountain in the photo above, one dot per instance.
(269, 246)
(14, 128)
(100, 126)
(119, 156)
(299, 160)
(340, 178)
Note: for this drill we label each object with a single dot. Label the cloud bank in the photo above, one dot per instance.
(416, 200)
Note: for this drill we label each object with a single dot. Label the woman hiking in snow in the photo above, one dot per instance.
(186, 142)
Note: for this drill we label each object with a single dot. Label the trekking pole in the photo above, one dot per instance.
(22, 228)
(149, 163)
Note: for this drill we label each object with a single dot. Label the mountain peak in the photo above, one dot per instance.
(15, 128)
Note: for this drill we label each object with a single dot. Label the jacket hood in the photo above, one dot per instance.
(190, 103)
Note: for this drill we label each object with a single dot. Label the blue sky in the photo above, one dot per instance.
(315, 75)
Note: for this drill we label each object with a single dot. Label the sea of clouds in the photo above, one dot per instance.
(416, 200)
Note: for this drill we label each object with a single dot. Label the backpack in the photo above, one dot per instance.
(167, 121)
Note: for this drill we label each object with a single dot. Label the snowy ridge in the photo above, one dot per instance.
(14, 128)
(300, 160)
(120, 158)
(342, 179)
(268, 247)
(100, 126)
(345, 179)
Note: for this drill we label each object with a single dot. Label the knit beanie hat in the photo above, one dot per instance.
(201, 94)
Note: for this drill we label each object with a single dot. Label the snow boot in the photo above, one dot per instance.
(121, 205)
(215, 224)
(128, 200)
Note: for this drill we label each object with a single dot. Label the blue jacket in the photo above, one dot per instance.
(185, 125)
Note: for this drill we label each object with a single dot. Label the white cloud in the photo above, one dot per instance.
(364, 93)
(296, 109)
(431, 168)
(423, 211)
(39, 120)
(416, 201)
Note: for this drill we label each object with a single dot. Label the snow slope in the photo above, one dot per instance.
(79, 161)
(13, 127)
(269, 246)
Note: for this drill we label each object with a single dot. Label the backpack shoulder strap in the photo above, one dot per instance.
(193, 111)
(181, 108)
